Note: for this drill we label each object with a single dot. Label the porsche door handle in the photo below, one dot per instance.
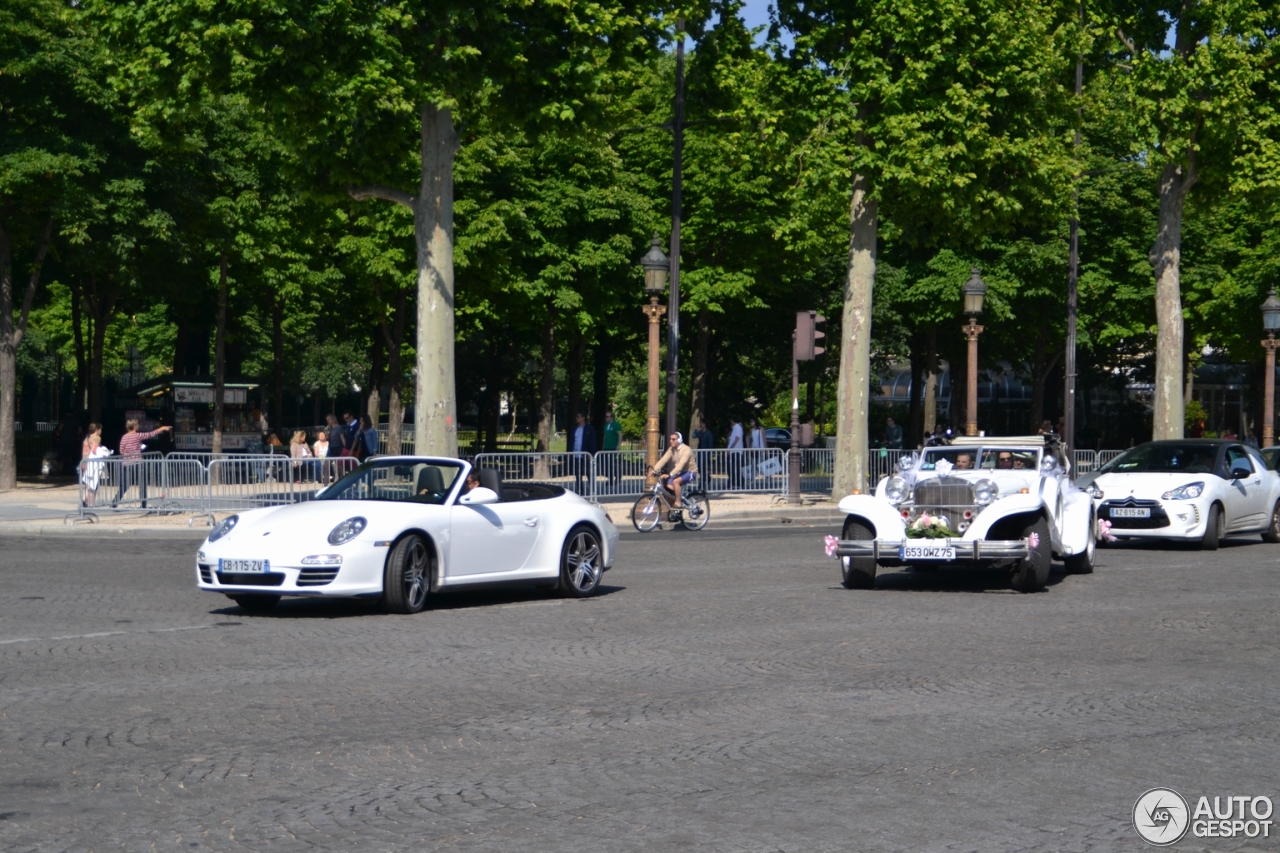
(531, 522)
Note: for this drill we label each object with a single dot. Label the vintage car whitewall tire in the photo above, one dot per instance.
(580, 567)
(1212, 529)
(857, 572)
(1032, 573)
(406, 576)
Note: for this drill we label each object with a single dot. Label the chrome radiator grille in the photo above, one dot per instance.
(944, 493)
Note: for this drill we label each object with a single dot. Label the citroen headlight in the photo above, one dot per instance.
(1184, 493)
(985, 491)
(347, 530)
(895, 490)
(223, 527)
(1093, 491)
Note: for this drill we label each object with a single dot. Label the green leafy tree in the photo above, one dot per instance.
(944, 116)
(1202, 111)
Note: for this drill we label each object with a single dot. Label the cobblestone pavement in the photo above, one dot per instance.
(723, 694)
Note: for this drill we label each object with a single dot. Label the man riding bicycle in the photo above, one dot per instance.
(677, 466)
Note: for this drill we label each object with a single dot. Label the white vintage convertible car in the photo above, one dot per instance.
(1198, 490)
(975, 502)
(401, 528)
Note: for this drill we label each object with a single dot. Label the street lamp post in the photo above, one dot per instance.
(656, 266)
(975, 290)
(1270, 322)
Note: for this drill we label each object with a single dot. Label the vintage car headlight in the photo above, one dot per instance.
(1048, 463)
(906, 463)
(322, 560)
(1093, 491)
(985, 491)
(895, 490)
(1184, 493)
(223, 527)
(347, 530)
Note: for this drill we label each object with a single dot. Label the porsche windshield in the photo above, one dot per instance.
(1175, 458)
(985, 458)
(395, 480)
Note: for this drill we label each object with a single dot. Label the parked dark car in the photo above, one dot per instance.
(777, 437)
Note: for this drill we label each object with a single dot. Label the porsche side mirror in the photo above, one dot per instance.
(479, 496)
(1240, 469)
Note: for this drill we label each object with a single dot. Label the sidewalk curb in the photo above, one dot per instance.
(104, 531)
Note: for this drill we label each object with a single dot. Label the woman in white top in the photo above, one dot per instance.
(757, 435)
(298, 450)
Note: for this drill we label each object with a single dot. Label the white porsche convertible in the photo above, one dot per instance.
(400, 528)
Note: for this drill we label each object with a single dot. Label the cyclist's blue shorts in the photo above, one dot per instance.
(686, 477)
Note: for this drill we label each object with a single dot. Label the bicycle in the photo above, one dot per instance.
(649, 509)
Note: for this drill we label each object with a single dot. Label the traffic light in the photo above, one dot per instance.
(808, 335)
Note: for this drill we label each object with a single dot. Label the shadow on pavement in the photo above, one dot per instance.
(345, 608)
(953, 580)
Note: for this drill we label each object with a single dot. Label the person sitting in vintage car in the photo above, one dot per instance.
(964, 462)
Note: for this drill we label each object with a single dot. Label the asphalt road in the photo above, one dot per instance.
(724, 693)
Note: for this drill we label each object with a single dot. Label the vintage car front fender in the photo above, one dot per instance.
(1077, 522)
(884, 518)
(1002, 508)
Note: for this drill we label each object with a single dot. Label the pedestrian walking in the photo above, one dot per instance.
(582, 444)
(350, 432)
(705, 441)
(298, 451)
(134, 470)
(612, 440)
(366, 439)
(757, 436)
(91, 466)
(737, 459)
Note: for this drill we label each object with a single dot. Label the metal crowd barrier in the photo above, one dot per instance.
(1083, 462)
(200, 484)
(574, 471)
(621, 473)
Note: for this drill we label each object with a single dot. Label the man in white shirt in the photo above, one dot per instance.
(735, 453)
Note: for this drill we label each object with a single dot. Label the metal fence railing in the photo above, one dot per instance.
(574, 471)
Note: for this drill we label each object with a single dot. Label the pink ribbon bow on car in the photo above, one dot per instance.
(831, 544)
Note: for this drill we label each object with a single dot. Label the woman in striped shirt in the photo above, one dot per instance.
(131, 453)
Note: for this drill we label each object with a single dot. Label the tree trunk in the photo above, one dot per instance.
(11, 332)
(1168, 418)
(1042, 369)
(577, 354)
(546, 384)
(701, 351)
(373, 405)
(277, 362)
(435, 403)
(914, 427)
(100, 308)
(82, 361)
(600, 387)
(853, 392)
(393, 337)
(930, 385)
(220, 359)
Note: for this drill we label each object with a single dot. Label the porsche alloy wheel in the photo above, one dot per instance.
(406, 578)
(580, 566)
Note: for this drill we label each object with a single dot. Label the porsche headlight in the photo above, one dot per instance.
(223, 527)
(1093, 491)
(1184, 493)
(985, 491)
(895, 490)
(347, 530)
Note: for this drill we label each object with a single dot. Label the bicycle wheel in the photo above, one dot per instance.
(647, 513)
(697, 511)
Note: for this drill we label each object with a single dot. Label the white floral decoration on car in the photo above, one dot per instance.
(943, 467)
